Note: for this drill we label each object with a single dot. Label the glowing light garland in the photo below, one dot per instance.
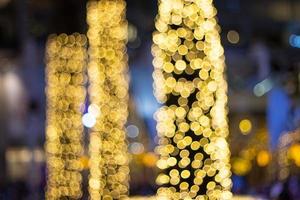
(189, 79)
(109, 171)
(66, 61)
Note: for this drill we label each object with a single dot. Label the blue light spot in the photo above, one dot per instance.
(294, 41)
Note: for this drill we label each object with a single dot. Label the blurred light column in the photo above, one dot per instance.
(108, 92)
(66, 62)
(189, 80)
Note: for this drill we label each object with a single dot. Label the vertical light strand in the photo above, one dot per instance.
(108, 90)
(189, 79)
(66, 63)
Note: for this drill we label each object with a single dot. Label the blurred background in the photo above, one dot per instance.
(262, 47)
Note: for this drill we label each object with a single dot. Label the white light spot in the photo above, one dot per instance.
(132, 131)
(88, 120)
(263, 87)
(136, 148)
(94, 110)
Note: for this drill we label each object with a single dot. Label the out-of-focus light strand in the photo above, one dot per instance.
(66, 65)
(108, 92)
(192, 126)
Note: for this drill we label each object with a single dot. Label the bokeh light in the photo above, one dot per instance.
(88, 120)
(233, 37)
(136, 148)
(241, 166)
(132, 131)
(108, 92)
(189, 79)
(66, 61)
(263, 158)
(245, 126)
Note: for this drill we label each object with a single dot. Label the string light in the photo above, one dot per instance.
(192, 126)
(66, 58)
(108, 90)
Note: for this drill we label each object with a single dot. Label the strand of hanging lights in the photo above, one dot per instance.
(108, 91)
(189, 80)
(66, 62)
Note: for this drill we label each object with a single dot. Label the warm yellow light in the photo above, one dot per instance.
(150, 159)
(245, 126)
(294, 153)
(233, 37)
(241, 166)
(65, 74)
(189, 79)
(108, 92)
(263, 158)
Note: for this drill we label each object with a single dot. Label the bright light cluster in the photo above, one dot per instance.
(189, 79)
(108, 90)
(66, 63)
(289, 153)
